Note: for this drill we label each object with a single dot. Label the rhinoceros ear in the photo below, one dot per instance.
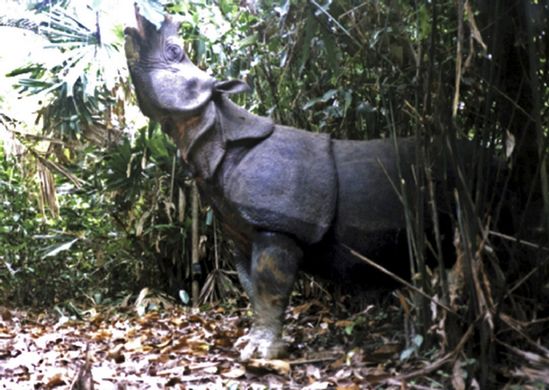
(231, 86)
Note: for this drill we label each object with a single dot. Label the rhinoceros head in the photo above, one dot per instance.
(166, 81)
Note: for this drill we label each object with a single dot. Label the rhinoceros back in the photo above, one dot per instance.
(370, 215)
(286, 183)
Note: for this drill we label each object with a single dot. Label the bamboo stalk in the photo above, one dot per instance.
(194, 253)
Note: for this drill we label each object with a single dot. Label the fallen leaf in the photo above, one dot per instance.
(352, 386)
(313, 373)
(117, 354)
(55, 381)
(5, 334)
(385, 352)
(280, 367)
(344, 323)
(203, 366)
(234, 373)
(318, 386)
(5, 314)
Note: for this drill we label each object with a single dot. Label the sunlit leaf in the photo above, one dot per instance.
(60, 248)
(184, 296)
(152, 10)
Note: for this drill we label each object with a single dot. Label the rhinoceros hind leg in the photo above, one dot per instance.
(275, 262)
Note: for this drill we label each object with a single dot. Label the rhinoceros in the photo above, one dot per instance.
(290, 199)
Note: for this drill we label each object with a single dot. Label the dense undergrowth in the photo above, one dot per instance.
(95, 205)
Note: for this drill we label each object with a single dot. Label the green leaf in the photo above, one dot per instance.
(152, 10)
(248, 41)
(418, 340)
(310, 28)
(226, 6)
(184, 296)
(424, 22)
(348, 100)
(349, 329)
(328, 95)
(405, 355)
(60, 248)
(159, 147)
(331, 50)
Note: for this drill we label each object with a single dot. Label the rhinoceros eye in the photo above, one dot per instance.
(174, 52)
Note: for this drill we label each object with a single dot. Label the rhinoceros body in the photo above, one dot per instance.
(290, 199)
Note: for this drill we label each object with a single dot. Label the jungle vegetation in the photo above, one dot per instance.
(95, 203)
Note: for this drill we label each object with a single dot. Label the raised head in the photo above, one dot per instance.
(186, 100)
(167, 83)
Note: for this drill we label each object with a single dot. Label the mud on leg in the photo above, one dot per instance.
(275, 262)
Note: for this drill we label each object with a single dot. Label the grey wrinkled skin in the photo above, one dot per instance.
(274, 265)
(288, 198)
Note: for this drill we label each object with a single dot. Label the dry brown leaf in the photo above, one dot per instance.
(225, 342)
(116, 354)
(55, 381)
(344, 323)
(203, 365)
(338, 363)
(280, 367)
(352, 386)
(198, 345)
(5, 314)
(149, 319)
(235, 372)
(344, 373)
(197, 318)
(297, 310)
(377, 378)
(327, 320)
(5, 334)
(102, 335)
(318, 386)
(163, 344)
(211, 370)
(313, 373)
(387, 350)
(134, 345)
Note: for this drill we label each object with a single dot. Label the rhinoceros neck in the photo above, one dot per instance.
(199, 142)
(203, 138)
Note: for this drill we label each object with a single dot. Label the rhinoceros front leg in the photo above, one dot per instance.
(274, 265)
(242, 265)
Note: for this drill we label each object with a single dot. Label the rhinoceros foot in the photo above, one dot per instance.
(262, 343)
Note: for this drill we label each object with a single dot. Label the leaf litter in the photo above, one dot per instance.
(169, 346)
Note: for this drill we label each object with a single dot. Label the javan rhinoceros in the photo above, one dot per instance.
(290, 199)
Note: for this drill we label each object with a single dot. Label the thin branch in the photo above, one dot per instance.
(459, 50)
(440, 362)
(334, 20)
(398, 279)
(518, 240)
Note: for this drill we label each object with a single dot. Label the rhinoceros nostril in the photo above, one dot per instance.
(192, 83)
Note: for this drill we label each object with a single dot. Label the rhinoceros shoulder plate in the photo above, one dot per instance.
(274, 193)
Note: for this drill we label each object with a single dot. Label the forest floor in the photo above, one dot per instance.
(154, 343)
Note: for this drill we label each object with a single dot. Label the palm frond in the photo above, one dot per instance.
(79, 80)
